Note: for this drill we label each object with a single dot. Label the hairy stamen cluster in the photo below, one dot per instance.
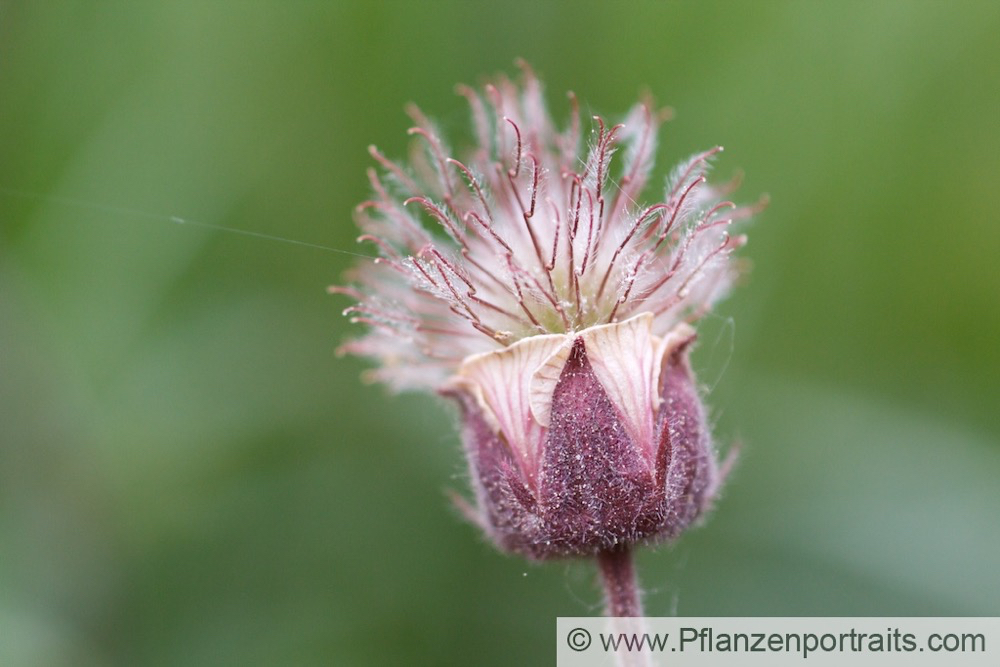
(530, 234)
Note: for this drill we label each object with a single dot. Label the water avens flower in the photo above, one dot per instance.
(525, 280)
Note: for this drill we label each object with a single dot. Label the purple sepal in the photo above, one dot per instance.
(594, 489)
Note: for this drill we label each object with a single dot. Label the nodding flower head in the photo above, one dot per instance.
(526, 281)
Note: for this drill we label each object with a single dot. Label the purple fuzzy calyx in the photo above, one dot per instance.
(584, 441)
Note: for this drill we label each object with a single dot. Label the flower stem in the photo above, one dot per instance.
(621, 587)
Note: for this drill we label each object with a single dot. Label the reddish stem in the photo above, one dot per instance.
(621, 587)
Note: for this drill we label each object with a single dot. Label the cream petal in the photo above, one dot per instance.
(624, 358)
(544, 380)
(501, 383)
(680, 335)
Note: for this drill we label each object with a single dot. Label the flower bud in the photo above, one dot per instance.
(524, 279)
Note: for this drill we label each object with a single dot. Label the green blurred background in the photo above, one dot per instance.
(188, 475)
